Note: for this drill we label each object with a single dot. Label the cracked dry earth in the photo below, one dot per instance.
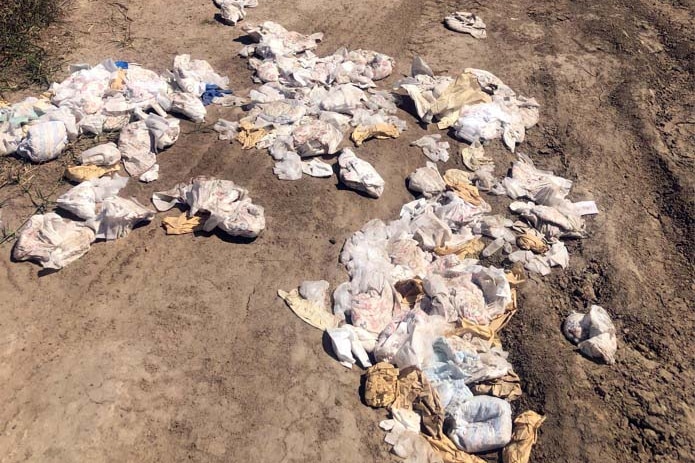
(160, 348)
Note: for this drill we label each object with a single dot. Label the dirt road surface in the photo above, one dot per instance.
(157, 348)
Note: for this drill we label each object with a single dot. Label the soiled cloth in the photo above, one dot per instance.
(89, 172)
(378, 131)
(249, 135)
(211, 92)
(411, 291)
(467, 250)
(507, 387)
(524, 435)
(381, 385)
(458, 181)
(532, 242)
(464, 91)
(311, 313)
(450, 453)
(414, 392)
(181, 224)
(417, 394)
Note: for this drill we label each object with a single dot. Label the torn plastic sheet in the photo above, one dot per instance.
(52, 241)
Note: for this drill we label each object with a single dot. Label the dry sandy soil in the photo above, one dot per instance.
(158, 348)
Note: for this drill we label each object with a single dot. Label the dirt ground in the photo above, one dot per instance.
(158, 348)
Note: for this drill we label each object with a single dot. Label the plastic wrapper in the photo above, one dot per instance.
(84, 199)
(52, 241)
(192, 75)
(316, 138)
(432, 147)
(233, 11)
(594, 333)
(164, 131)
(480, 423)
(359, 175)
(227, 204)
(427, 180)
(317, 168)
(107, 154)
(118, 216)
(135, 146)
(151, 175)
(467, 23)
(290, 167)
(44, 141)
